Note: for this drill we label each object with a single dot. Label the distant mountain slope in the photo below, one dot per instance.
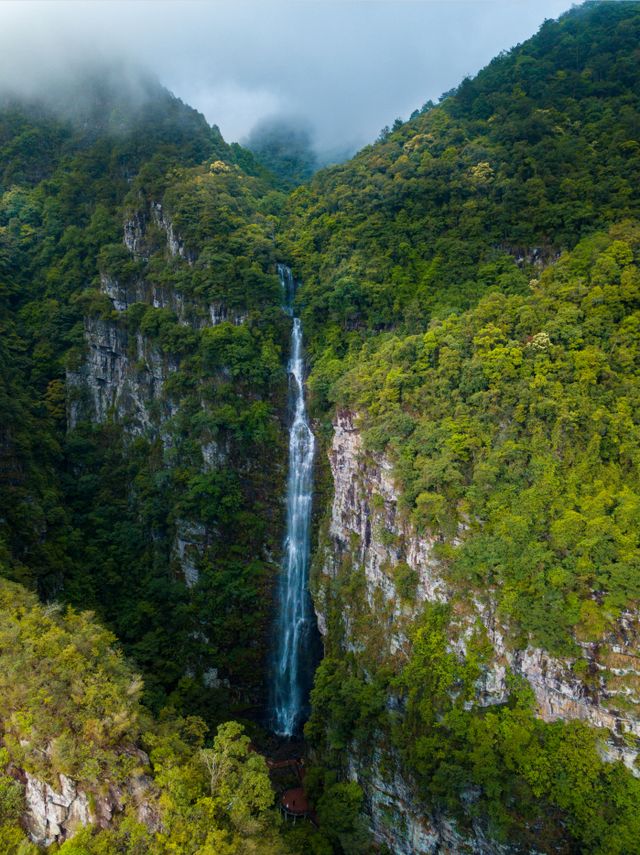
(540, 149)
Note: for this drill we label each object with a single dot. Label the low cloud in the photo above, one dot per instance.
(285, 144)
(347, 68)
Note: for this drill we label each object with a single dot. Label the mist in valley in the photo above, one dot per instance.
(328, 75)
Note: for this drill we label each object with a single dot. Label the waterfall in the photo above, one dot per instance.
(294, 621)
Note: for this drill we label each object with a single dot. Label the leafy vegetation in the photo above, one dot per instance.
(534, 783)
(67, 687)
(471, 291)
(517, 422)
(91, 515)
(63, 686)
(520, 163)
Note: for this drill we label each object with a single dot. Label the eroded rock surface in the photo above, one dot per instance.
(54, 814)
(367, 529)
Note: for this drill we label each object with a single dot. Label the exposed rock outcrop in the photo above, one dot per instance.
(189, 312)
(141, 243)
(400, 820)
(190, 540)
(54, 814)
(123, 373)
(175, 241)
(368, 530)
(121, 377)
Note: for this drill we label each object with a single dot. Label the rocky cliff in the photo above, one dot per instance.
(156, 365)
(123, 373)
(368, 534)
(54, 813)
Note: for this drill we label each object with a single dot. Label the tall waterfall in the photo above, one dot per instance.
(294, 620)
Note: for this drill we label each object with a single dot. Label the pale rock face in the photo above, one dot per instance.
(54, 815)
(218, 313)
(190, 313)
(212, 681)
(365, 522)
(188, 545)
(49, 812)
(123, 375)
(215, 454)
(110, 382)
(135, 230)
(356, 483)
(135, 235)
(175, 241)
(400, 820)
(541, 256)
(139, 291)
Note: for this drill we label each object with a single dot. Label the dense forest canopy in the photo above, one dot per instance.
(519, 422)
(470, 290)
(73, 524)
(537, 151)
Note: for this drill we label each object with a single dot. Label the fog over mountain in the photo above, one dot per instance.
(346, 68)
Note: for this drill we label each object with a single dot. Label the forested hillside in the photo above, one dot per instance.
(470, 297)
(89, 515)
(471, 196)
(513, 430)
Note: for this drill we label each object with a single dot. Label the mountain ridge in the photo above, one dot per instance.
(470, 301)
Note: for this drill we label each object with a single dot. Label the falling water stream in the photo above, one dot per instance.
(294, 621)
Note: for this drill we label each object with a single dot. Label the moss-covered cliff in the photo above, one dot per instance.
(144, 390)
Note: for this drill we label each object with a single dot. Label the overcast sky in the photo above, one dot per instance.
(347, 67)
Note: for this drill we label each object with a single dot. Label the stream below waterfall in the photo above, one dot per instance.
(293, 663)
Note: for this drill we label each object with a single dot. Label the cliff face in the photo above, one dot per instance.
(367, 531)
(138, 240)
(123, 374)
(124, 377)
(121, 377)
(54, 814)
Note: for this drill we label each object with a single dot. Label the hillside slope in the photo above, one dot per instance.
(143, 389)
(471, 296)
(476, 194)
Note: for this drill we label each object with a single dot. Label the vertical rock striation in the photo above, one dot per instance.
(368, 531)
(54, 814)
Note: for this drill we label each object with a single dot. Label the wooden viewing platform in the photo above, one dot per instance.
(294, 802)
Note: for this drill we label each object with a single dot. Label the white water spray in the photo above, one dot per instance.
(294, 617)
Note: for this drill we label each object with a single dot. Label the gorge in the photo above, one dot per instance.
(399, 403)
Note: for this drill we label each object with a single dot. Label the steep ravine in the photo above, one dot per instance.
(366, 533)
